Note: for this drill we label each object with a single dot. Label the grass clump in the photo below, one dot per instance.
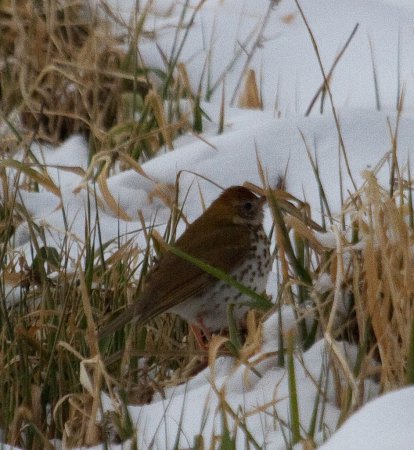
(65, 70)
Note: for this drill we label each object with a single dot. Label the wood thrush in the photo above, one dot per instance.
(229, 236)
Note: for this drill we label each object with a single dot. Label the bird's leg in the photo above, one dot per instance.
(198, 336)
(199, 330)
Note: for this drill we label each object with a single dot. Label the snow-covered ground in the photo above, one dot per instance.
(287, 70)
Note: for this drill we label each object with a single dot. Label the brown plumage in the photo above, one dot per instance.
(229, 236)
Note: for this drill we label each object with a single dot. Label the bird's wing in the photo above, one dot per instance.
(175, 280)
(155, 301)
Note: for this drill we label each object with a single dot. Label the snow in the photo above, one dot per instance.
(197, 402)
(247, 393)
(385, 423)
(286, 64)
(280, 148)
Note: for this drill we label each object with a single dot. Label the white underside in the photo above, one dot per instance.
(210, 310)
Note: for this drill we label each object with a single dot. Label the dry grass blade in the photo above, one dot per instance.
(106, 193)
(328, 90)
(330, 73)
(303, 230)
(41, 178)
(250, 97)
(154, 101)
(344, 365)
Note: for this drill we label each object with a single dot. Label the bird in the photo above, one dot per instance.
(229, 235)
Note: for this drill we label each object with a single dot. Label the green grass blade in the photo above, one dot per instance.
(257, 301)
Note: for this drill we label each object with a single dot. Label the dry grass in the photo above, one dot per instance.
(65, 71)
(371, 303)
(385, 302)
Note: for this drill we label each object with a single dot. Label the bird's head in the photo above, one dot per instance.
(238, 205)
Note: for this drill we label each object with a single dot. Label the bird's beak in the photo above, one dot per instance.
(262, 200)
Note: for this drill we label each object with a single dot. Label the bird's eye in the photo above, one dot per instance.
(248, 206)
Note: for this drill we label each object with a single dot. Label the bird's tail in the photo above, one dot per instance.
(129, 314)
